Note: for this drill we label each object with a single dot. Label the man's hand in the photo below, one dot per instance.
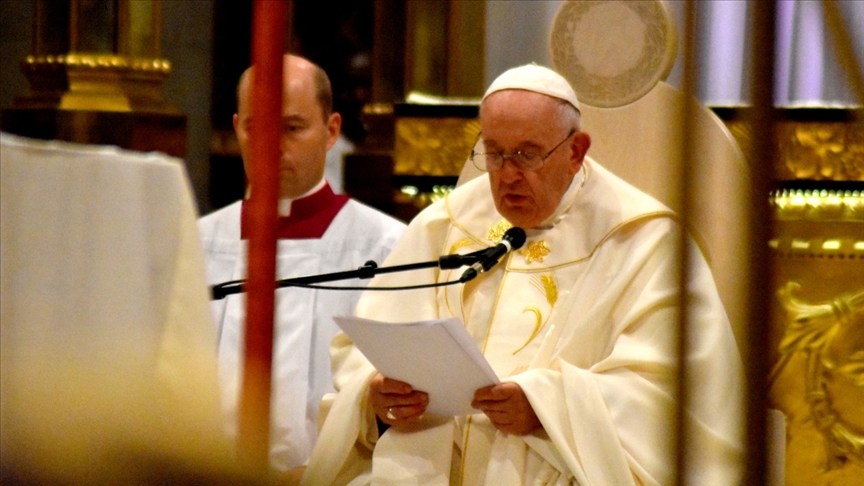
(507, 407)
(395, 402)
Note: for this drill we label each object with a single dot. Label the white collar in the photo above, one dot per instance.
(285, 204)
(567, 199)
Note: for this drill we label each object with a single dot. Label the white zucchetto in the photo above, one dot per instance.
(538, 79)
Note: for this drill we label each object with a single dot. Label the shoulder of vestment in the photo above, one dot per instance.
(605, 206)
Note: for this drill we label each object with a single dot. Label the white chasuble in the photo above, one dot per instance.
(583, 317)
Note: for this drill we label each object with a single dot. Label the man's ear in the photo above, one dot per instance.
(235, 120)
(581, 144)
(578, 149)
(334, 125)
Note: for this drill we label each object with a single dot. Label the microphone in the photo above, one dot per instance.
(513, 239)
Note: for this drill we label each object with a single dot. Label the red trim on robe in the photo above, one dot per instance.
(310, 216)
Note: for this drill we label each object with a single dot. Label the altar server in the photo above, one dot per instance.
(318, 232)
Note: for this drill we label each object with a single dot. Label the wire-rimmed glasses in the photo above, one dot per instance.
(523, 160)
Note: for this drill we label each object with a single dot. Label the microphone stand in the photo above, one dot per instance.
(367, 271)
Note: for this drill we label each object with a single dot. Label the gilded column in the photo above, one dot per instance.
(95, 76)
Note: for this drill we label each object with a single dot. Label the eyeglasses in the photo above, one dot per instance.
(523, 160)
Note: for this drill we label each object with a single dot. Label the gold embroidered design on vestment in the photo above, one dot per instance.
(546, 284)
(497, 232)
(519, 369)
(460, 244)
(535, 252)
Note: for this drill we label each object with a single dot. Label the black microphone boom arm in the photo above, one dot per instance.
(367, 271)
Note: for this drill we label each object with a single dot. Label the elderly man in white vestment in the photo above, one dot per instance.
(579, 325)
(319, 232)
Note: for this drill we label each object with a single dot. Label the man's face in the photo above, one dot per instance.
(306, 135)
(523, 121)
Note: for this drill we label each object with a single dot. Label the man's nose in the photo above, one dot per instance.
(284, 145)
(509, 170)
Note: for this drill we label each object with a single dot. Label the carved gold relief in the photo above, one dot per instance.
(819, 247)
(813, 150)
(830, 335)
(95, 82)
(832, 151)
(818, 205)
(433, 146)
(96, 62)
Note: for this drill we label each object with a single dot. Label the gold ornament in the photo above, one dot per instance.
(497, 232)
(536, 251)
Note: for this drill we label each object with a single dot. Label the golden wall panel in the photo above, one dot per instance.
(433, 146)
(828, 149)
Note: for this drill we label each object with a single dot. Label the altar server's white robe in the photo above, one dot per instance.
(584, 319)
(304, 327)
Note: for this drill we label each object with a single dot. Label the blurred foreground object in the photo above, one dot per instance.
(108, 347)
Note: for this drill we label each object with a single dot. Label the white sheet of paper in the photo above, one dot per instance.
(437, 357)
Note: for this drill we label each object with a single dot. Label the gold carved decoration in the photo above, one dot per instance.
(823, 150)
(831, 336)
(497, 232)
(536, 251)
(428, 146)
(818, 205)
(101, 62)
(812, 150)
(546, 284)
(819, 247)
(95, 82)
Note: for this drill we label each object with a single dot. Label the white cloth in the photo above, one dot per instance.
(304, 328)
(107, 342)
(588, 333)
